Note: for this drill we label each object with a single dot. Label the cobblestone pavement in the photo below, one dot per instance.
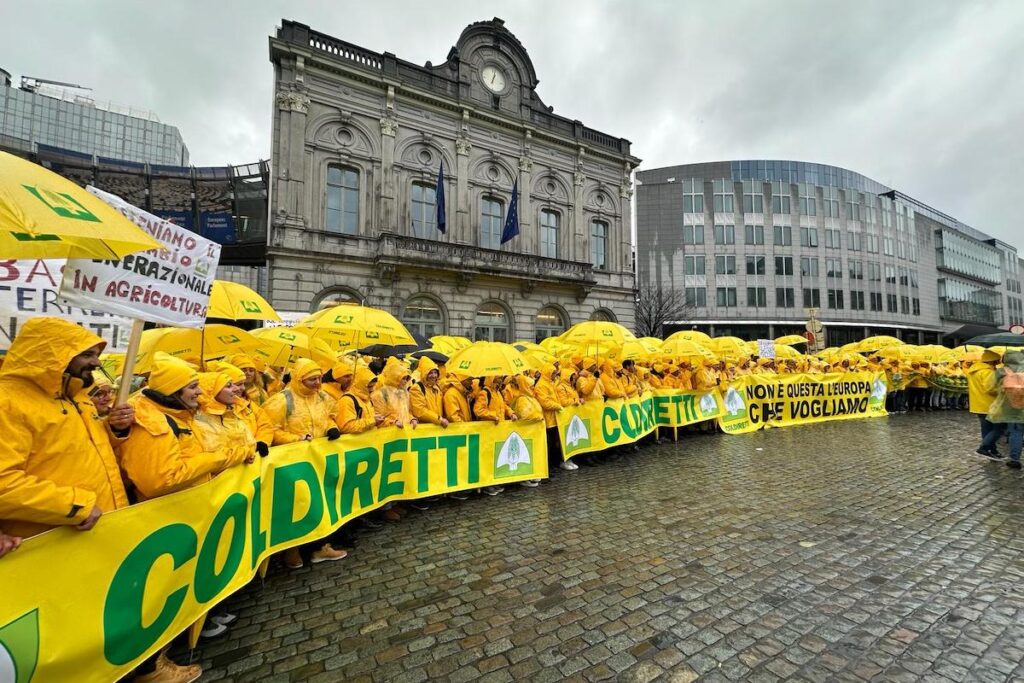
(864, 550)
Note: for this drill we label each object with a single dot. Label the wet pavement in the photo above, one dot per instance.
(852, 551)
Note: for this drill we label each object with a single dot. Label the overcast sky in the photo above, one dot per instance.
(925, 96)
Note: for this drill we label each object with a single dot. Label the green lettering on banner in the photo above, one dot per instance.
(627, 428)
(209, 582)
(259, 536)
(388, 467)
(283, 527)
(451, 445)
(611, 435)
(422, 447)
(331, 478)
(124, 636)
(356, 481)
(473, 475)
(689, 414)
(661, 406)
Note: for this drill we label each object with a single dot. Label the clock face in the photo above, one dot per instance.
(493, 78)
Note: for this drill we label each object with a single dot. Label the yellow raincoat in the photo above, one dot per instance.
(390, 399)
(297, 411)
(489, 404)
(611, 382)
(427, 401)
(218, 426)
(519, 397)
(982, 387)
(355, 410)
(56, 457)
(546, 391)
(456, 405)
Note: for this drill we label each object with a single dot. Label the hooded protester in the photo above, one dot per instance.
(254, 389)
(302, 411)
(355, 410)
(982, 391)
(455, 401)
(261, 428)
(218, 426)
(547, 392)
(566, 388)
(164, 453)
(519, 397)
(391, 398)
(588, 381)
(57, 463)
(611, 382)
(338, 379)
(102, 393)
(489, 404)
(1008, 407)
(425, 396)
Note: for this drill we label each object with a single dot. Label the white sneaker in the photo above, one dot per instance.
(212, 629)
(224, 618)
(569, 466)
(492, 490)
(530, 483)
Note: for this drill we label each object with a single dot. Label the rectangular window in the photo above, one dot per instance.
(887, 245)
(905, 305)
(753, 196)
(693, 234)
(785, 297)
(834, 268)
(757, 297)
(549, 233)
(780, 198)
(904, 276)
(833, 239)
(783, 265)
(830, 197)
(342, 200)
(723, 195)
(874, 272)
(855, 241)
(695, 265)
(856, 270)
(812, 298)
(856, 300)
(783, 236)
(890, 303)
(807, 200)
(725, 297)
(693, 195)
(808, 237)
(424, 210)
(876, 301)
(916, 306)
(599, 245)
(835, 299)
(809, 266)
(890, 274)
(913, 279)
(725, 265)
(755, 265)
(871, 243)
(491, 214)
(725, 234)
(753, 234)
(697, 297)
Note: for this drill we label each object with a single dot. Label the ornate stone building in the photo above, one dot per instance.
(357, 142)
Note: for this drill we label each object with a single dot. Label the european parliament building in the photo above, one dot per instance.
(754, 244)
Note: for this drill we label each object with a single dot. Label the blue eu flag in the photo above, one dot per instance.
(512, 219)
(439, 198)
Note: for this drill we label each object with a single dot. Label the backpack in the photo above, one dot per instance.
(1013, 388)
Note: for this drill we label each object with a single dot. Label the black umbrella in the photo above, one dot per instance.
(433, 355)
(998, 339)
(387, 350)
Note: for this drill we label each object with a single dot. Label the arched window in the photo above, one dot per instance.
(424, 316)
(342, 200)
(492, 323)
(333, 297)
(550, 323)
(604, 315)
(491, 213)
(549, 221)
(424, 210)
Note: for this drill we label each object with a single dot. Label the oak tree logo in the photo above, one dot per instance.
(577, 434)
(19, 648)
(513, 457)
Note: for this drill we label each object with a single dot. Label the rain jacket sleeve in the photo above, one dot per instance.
(426, 404)
(456, 407)
(275, 410)
(29, 498)
(485, 407)
(349, 420)
(382, 407)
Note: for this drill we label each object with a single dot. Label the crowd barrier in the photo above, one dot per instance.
(89, 606)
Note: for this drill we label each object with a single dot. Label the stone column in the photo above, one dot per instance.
(293, 103)
(531, 243)
(463, 230)
(576, 235)
(624, 246)
(388, 207)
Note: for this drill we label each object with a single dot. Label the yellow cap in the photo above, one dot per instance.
(305, 368)
(233, 372)
(170, 374)
(243, 361)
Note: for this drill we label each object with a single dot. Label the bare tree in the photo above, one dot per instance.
(656, 306)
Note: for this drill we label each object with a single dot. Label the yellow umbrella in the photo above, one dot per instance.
(280, 345)
(652, 344)
(596, 332)
(523, 345)
(685, 347)
(791, 340)
(43, 215)
(875, 343)
(691, 335)
(729, 346)
(487, 359)
(212, 341)
(354, 326)
(539, 356)
(112, 364)
(237, 302)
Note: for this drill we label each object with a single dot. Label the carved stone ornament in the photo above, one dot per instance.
(582, 292)
(293, 101)
(578, 178)
(462, 281)
(389, 125)
(463, 146)
(525, 164)
(626, 190)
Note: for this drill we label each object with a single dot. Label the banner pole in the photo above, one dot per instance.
(129, 361)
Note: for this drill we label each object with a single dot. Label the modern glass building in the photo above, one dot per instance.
(41, 114)
(754, 245)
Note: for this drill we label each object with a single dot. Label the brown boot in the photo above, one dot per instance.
(327, 553)
(293, 558)
(167, 671)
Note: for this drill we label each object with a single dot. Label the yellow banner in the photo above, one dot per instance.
(757, 401)
(597, 425)
(89, 606)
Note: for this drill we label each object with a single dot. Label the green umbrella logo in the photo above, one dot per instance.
(62, 204)
(19, 648)
(250, 306)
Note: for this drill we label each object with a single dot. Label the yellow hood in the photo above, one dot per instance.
(393, 373)
(212, 383)
(243, 361)
(425, 366)
(42, 350)
(360, 383)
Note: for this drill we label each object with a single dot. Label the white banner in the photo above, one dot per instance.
(28, 289)
(170, 286)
